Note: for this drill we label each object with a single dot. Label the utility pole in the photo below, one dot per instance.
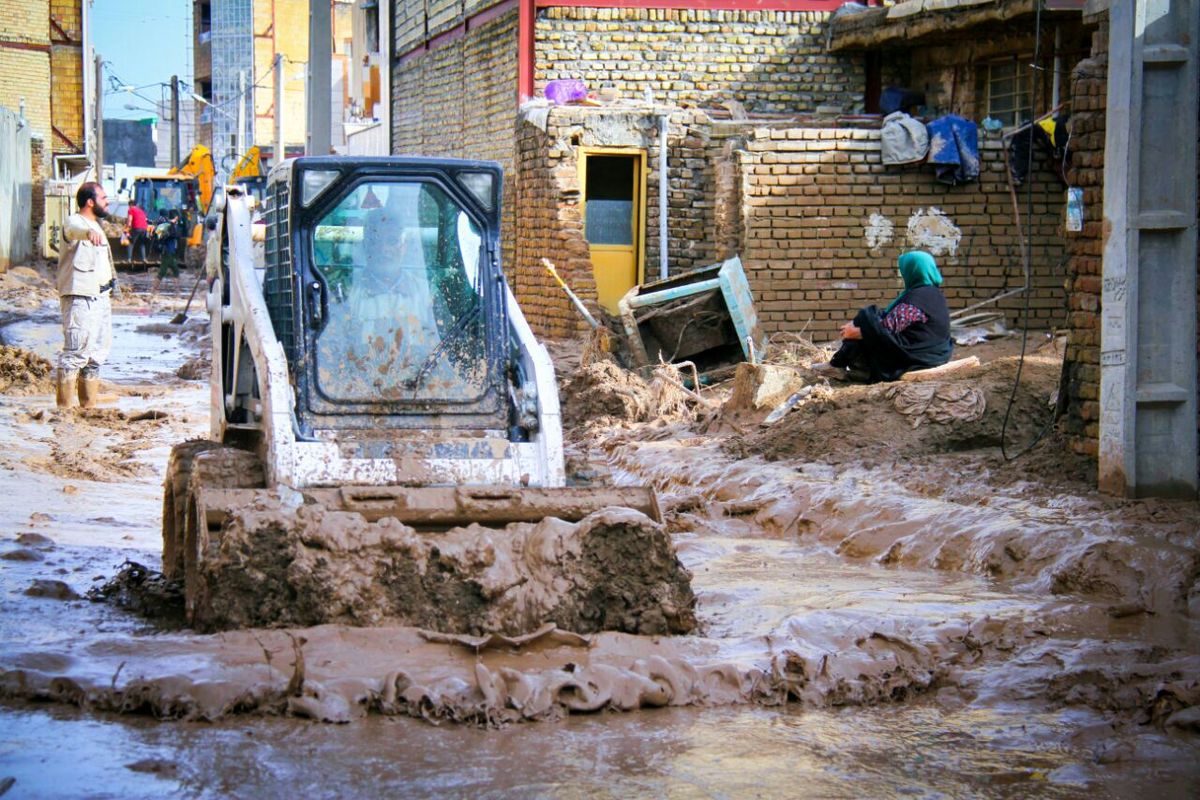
(174, 121)
(320, 76)
(279, 155)
(99, 118)
(240, 143)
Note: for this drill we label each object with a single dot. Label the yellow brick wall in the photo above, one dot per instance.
(25, 21)
(66, 76)
(26, 73)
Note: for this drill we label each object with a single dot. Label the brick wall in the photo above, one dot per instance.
(806, 208)
(549, 225)
(548, 195)
(66, 75)
(770, 61)
(1089, 88)
(24, 24)
(816, 200)
(40, 169)
(458, 100)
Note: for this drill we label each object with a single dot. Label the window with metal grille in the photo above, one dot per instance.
(1005, 88)
(279, 282)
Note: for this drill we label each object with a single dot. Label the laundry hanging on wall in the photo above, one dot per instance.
(903, 140)
(1050, 136)
(954, 149)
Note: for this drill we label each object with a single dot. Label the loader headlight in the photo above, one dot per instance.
(481, 185)
(314, 182)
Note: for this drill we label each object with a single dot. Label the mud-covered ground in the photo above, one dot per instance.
(886, 607)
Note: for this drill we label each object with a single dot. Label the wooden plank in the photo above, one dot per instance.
(953, 369)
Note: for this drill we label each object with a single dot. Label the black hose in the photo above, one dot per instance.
(1012, 397)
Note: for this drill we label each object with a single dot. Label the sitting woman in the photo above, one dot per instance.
(911, 333)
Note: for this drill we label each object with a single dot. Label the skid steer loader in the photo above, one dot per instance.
(385, 435)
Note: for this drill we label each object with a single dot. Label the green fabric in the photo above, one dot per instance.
(918, 269)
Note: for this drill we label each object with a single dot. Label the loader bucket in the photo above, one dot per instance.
(453, 559)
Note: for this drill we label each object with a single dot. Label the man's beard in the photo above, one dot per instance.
(101, 213)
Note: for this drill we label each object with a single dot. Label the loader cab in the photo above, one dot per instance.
(383, 282)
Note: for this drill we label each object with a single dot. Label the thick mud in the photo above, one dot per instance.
(24, 373)
(854, 423)
(871, 622)
(278, 564)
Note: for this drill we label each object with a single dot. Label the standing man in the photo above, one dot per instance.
(138, 233)
(86, 279)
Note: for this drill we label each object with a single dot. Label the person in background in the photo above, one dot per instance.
(167, 234)
(86, 279)
(137, 229)
(913, 332)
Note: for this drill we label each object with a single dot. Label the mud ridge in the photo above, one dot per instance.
(1048, 549)
(337, 674)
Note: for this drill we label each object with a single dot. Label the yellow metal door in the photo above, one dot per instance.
(614, 187)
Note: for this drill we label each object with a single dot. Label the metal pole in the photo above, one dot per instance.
(320, 76)
(279, 151)
(242, 145)
(174, 120)
(663, 238)
(99, 118)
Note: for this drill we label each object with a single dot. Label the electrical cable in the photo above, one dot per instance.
(1012, 398)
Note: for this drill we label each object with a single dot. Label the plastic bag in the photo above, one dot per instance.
(567, 90)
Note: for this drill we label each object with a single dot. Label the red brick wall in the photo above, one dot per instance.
(1089, 87)
(459, 101)
(810, 194)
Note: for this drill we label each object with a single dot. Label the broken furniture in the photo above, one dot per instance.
(705, 316)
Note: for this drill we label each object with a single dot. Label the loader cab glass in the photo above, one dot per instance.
(160, 197)
(397, 308)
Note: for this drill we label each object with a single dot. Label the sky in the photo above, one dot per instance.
(144, 43)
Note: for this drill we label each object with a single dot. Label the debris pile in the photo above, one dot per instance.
(23, 372)
(601, 392)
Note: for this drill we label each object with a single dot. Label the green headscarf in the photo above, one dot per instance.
(918, 269)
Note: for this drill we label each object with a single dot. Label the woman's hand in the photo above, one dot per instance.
(851, 331)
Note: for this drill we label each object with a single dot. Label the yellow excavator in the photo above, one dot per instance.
(186, 189)
(248, 175)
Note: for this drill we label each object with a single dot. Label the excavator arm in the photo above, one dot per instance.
(199, 165)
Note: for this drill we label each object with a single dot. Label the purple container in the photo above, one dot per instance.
(566, 91)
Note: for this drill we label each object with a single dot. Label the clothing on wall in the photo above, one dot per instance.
(1050, 137)
(903, 140)
(954, 149)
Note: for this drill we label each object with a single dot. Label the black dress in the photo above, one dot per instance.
(884, 354)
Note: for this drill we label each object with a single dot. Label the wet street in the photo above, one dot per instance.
(870, 640)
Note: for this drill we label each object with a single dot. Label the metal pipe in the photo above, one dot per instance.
(1058, 64)
(278, 110)
(663, 239)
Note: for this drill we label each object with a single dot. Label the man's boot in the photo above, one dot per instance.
(89, 388)
(65, 389)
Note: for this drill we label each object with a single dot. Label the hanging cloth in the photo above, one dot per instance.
(954, 149)
(903, 140)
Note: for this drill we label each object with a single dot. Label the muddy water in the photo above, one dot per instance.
(146, 346)
(917, 750)
(951, 677)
